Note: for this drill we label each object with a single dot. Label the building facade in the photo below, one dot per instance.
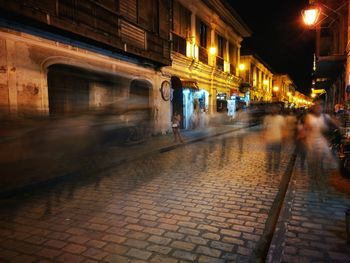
(331, 68)
(258, 76)
(206, 37)
(283, 88)
(66, 56)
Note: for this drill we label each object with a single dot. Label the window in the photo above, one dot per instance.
(220, 46)
(203, 32)
(181, 20)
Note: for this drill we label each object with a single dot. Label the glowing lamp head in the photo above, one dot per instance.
(275, 88)
(212, 50)
(241, 67)
(266, 82)
(310, 15)
(313, 95)
(289, 93)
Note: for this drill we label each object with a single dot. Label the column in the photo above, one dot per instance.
(11, 71)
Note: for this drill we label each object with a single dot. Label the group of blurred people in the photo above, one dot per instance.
(308, 130)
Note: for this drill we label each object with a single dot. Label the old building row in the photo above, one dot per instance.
(65, 56)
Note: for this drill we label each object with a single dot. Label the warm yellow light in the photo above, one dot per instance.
(275, 88)
(241, 67)
(313, 95)
(310, 15)
(212, 50)
(289, 93)
(266, 82)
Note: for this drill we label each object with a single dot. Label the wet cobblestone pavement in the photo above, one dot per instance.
(204, 202)
(312, 224)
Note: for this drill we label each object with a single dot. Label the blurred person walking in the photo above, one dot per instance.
(301, 140)
(274, 125)
(318, 151)
(176, 127)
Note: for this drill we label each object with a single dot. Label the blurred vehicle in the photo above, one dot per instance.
(258, 110)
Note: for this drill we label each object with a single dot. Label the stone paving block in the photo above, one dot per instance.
(96, 243)
(208, 251)
(117, 230)
(153, 231)
(183, 245)
(246, 229)
(74, 248)
(78, 239)
(114, 238)
(56, 244)
(38, 240)
(159, 240)
(48, 253)
(67, 257)
(137, 235)
(137, 253)
(206, 259)
(234, 241)
(58, 235)
(244, 251)
(111, 258)
(136, 243)
(208, 228)
(116, 248)
(211, 236)
(163, 259)
(168, 227)
(222, 246)
(95, 253)
(231, 233)
(196, 240)
(189, 231)
(184, 255)
(159, 249)
(147, 223)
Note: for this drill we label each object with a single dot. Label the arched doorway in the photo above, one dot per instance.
(73, 90)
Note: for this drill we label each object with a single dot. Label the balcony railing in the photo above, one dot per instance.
(179, 44)
(220, 63)
(203, 55)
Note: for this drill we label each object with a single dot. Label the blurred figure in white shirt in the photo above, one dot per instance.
(274, 125)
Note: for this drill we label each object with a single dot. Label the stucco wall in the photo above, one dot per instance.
(24, 60)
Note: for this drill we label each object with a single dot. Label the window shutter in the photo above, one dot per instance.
(164, 19)
(145, 14)
(127, 8)
(133, 35)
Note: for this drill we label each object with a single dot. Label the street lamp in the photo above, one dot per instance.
(241, 67)
(276, 88)
(311, 14)
(212, 50)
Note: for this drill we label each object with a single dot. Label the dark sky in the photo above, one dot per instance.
(279, 37)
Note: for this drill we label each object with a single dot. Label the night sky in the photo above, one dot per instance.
(279, 37)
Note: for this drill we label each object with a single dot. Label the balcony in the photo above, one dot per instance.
(203, 55)
(179, 44)
(220, 63)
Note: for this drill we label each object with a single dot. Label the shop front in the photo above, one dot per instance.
(196, 103)
(190, 102)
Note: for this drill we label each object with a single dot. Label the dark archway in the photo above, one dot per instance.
(73, 90)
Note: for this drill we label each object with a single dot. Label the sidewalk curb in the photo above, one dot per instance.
(268, 239)
(70, 175)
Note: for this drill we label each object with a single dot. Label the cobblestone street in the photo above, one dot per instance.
(205, 202)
